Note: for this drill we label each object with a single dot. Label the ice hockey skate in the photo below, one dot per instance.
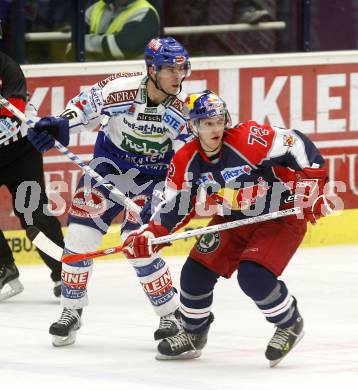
(57, 288)
(10, 284)
(283, 340)
(184, 345)
(64, 330)
(169, 325)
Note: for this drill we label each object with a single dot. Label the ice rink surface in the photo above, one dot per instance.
(115, 347)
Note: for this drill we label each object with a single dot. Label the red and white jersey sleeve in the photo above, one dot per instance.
(266, 145)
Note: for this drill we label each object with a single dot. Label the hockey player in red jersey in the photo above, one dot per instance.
(233, 173)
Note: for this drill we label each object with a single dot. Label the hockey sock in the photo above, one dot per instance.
(155, 278)
(269, 294)
(75, 277)
(196, 295)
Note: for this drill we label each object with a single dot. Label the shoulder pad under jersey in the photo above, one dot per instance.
(121, 87)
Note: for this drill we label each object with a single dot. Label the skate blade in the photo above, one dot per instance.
(186, 355)
(64, 341)
(15, 287)
(274, 363)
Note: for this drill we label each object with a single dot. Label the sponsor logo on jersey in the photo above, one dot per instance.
(178, 104)
(172, 121)
(121, 96)
(117, 76)
(149, 130)
(149, 117)
(208, 243)
(85, 103)
(131, 110)
(96, 99)
(206, 178)
(76, 281)
(150, 110)
(135, 145)
(288, 140)
(230, 174)
(88, 203)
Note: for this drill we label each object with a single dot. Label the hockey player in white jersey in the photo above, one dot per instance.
(142, 124)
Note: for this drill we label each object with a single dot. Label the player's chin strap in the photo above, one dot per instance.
(155, 82)
(133, 208)
(43, 243)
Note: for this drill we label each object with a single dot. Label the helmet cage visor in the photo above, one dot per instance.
(166, 70)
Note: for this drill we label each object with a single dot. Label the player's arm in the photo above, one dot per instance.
(302, 168)
(174, 212)
(13, 88)
(83, 112)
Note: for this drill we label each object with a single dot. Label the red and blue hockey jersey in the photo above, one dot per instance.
(242, 181)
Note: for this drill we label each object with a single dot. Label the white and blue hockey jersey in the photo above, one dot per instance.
(133, 132)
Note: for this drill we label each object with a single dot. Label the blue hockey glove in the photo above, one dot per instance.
(8, 128)
(46, 130)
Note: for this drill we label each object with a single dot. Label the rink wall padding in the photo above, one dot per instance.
(335, 230)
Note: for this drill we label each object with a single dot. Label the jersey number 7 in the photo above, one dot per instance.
(256, 135)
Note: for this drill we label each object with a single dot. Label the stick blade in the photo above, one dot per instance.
(43, 243)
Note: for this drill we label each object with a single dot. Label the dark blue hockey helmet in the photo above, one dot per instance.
(166, 51)
(205, 105)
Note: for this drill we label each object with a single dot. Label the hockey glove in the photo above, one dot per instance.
(9, 126)
(46, 130)
(308, 187)
(137, 244)
(311, 187)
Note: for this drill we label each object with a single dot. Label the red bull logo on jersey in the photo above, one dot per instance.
(242, 198)
(230, 174)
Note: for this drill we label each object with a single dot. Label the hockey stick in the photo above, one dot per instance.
(56, 252)
(124, 200)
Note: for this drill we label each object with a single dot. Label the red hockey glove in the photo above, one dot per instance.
(137, 244)
(315, 204)
(308, 186)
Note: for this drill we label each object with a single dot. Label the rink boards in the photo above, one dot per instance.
(336, 230)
